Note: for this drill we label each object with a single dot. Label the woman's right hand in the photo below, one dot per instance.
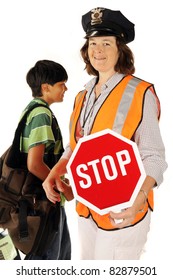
(67, 192)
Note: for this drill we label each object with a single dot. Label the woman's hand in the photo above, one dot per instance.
(67, 190)
(123, 218)
(126, 217)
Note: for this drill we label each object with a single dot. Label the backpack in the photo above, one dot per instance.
(24, 209)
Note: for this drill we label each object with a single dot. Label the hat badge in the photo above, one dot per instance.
(96, 16)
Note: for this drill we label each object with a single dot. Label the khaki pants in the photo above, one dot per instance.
(123, 244)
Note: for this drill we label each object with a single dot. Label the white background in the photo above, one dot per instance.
(31, 30)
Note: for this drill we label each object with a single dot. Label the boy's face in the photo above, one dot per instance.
(56, 92)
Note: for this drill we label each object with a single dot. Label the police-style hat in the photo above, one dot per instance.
(105, 22)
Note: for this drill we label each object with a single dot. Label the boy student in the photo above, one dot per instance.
(43, 146)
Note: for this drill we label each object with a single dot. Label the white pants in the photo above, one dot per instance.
(123, 244)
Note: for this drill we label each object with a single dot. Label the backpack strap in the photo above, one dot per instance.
(23, 225)
(14, 157)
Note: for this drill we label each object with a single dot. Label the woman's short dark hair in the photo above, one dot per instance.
(45, 71)
(125, 63)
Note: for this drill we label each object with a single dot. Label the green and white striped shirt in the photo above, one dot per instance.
(38, 129)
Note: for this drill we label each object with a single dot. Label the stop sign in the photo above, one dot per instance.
(106, 171)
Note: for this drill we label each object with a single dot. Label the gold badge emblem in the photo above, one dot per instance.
(96, 16)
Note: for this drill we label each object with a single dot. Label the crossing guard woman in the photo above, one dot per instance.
(114, 98)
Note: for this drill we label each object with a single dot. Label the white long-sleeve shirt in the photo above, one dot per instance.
(147, 136)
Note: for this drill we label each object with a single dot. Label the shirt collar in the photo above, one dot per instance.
(40, 100)
(115, 79)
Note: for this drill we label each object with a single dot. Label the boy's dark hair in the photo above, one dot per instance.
(45, 71)
(125, 63)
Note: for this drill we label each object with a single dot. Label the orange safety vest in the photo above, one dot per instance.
(125, 100)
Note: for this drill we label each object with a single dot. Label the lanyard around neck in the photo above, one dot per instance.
(86, 115)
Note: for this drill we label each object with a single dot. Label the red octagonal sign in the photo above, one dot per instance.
(106, 171)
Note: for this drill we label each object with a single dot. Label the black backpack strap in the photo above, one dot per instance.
(23, 225)
(14, 159)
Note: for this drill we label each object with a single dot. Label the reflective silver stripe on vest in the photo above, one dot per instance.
(125, 104)
(80, 95)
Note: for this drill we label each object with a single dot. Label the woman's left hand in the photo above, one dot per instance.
(126, 217)
(123, 218)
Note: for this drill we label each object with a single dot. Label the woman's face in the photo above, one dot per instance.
(103, 53)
